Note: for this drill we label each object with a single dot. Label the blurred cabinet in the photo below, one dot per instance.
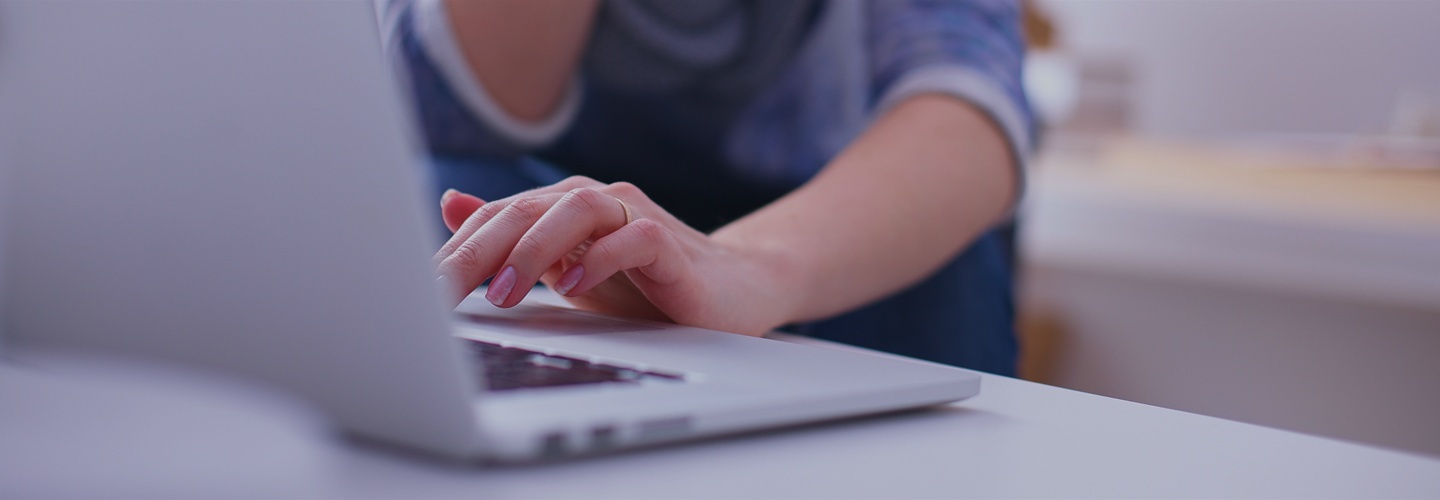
(1232, 282)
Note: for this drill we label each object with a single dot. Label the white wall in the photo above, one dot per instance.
(1223, 67)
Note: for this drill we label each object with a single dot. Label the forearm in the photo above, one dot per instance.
(907, 196)
(523, 51)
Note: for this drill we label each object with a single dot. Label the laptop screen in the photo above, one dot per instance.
(6, 136)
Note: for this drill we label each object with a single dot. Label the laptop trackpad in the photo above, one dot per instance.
(546, 321)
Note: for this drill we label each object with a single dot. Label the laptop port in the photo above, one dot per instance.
(552, 445)
(663, 428)
(603, 437)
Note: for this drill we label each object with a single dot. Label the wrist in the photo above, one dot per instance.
(768, 280)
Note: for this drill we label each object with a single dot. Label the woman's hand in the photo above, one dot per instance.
(606, 248)
(902, 200)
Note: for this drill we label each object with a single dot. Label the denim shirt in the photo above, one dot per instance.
(717, 107)
(755, 96)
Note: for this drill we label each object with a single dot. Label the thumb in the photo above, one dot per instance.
(456, 206)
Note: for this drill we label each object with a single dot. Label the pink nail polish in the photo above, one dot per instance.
(500, 286)
(568, 280)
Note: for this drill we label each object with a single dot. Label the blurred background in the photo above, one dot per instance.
(1236, 211)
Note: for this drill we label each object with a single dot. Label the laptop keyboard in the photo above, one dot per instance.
(508, 368)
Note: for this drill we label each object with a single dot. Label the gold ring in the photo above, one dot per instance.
(628, 218)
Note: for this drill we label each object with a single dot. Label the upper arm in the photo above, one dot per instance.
(971, 50)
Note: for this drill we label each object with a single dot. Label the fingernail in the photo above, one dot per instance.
(446, 195)
(500, 286)
(569, 279)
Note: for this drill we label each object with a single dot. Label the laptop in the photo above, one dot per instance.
(236, 185)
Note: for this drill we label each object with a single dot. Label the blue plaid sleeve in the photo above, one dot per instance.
(971, 49)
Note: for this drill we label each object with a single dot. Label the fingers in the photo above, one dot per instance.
(522, 238)
(456, 206)
(478, 256)
(581, 215)
(643, 244)
(489, 210)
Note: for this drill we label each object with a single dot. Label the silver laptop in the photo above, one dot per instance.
(234, 185)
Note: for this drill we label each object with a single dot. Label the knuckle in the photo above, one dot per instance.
(649, 231)
(465, 257)
(630, 192)
(587, 198)
(528, 246)
(445, 252)
(624, 189)
(478, 219)
(526, 208)
(602, 254)
(488, 211)
(578, 181)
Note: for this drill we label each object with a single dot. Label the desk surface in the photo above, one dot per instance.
(100, 428)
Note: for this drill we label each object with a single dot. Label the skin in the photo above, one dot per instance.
(904, 198)
(525, 51)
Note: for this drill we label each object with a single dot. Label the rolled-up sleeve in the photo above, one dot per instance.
(970, 49)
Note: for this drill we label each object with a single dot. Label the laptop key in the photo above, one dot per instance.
(509, 368)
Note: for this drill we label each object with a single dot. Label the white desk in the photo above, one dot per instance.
(105, 429)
